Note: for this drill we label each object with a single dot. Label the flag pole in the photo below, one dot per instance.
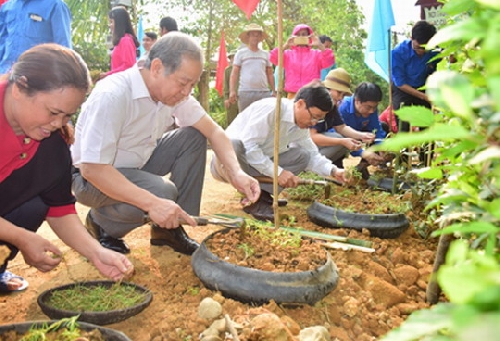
(277, 117)
(389, 76)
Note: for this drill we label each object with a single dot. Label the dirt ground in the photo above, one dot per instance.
(375, 293)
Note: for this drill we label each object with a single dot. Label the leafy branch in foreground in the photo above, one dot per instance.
(467, 130)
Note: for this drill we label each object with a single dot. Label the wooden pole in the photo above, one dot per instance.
(278, 114)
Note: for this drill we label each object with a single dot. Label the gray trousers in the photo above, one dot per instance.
(294, 160)
(245, 98)
(180, 153)
(334, 153)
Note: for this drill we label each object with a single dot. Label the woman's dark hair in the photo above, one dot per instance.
(368, 92)
(315, 95)
(324, 38)
(48, 67)
(123, 25)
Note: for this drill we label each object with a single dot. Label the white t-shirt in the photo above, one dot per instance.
(120, 124)
(253, 73)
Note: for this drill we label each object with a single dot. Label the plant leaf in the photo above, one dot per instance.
(418, 116)
(422, 323)
(437, 132)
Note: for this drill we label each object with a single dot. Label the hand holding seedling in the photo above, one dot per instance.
(340, 175)
(113, 265)
(38, 251)
(352, 144)
(367, 137)
(372, 157)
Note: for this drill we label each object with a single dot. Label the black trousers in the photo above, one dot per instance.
(400, 98)
(30, 216)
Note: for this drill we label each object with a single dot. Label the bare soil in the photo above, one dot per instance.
(375, 293)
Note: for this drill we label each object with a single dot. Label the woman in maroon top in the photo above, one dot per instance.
(44, 89)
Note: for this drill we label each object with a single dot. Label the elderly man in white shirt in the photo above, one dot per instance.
(252, 135)
(127, 141)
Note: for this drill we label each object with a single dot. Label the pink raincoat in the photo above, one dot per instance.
(301, 63)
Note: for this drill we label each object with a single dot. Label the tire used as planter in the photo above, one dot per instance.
(107, 333)
(385, 184)
(95, 317)
(386, 226)
(259, 287)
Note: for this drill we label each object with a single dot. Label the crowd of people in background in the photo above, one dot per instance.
(140, 123)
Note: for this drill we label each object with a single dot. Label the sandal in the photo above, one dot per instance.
(10, 282)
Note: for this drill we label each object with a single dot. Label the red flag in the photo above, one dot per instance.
(247, 6)
(222, 63)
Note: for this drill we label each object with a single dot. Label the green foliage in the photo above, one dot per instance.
(278, 237)
(306, 193)
(65, 329)
(89, 31)
(467, 128)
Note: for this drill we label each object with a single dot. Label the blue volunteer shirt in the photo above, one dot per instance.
(410, 68)
(26, 23)
(371, 123)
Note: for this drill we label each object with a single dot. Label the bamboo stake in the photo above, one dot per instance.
(277, 117)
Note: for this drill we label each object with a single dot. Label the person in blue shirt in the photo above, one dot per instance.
(328, 42)
(332, 136)
(360, 113)
(26, 23)
(410, 66)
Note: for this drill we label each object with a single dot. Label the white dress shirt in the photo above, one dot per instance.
(254, 126)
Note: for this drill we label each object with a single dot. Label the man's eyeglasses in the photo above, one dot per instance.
(313, 118)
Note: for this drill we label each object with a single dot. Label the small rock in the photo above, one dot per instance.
(406, 274)
(351, 307)
(422, 284)
(292, 326)
(383, 292)
(219, 325)
(269, 327)
(316, 333)
(209, 309)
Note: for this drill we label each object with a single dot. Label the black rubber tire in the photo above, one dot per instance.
(259, 287)
(385, 184)
(386, 226)
(100, 318)
(23, 327)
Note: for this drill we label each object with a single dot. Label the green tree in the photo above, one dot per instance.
(89, 30)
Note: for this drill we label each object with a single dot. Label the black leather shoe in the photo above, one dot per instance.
(176, 238)
(268, 199)
(92, 227)
(115, 244)
(260, 210)
(362, 168)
